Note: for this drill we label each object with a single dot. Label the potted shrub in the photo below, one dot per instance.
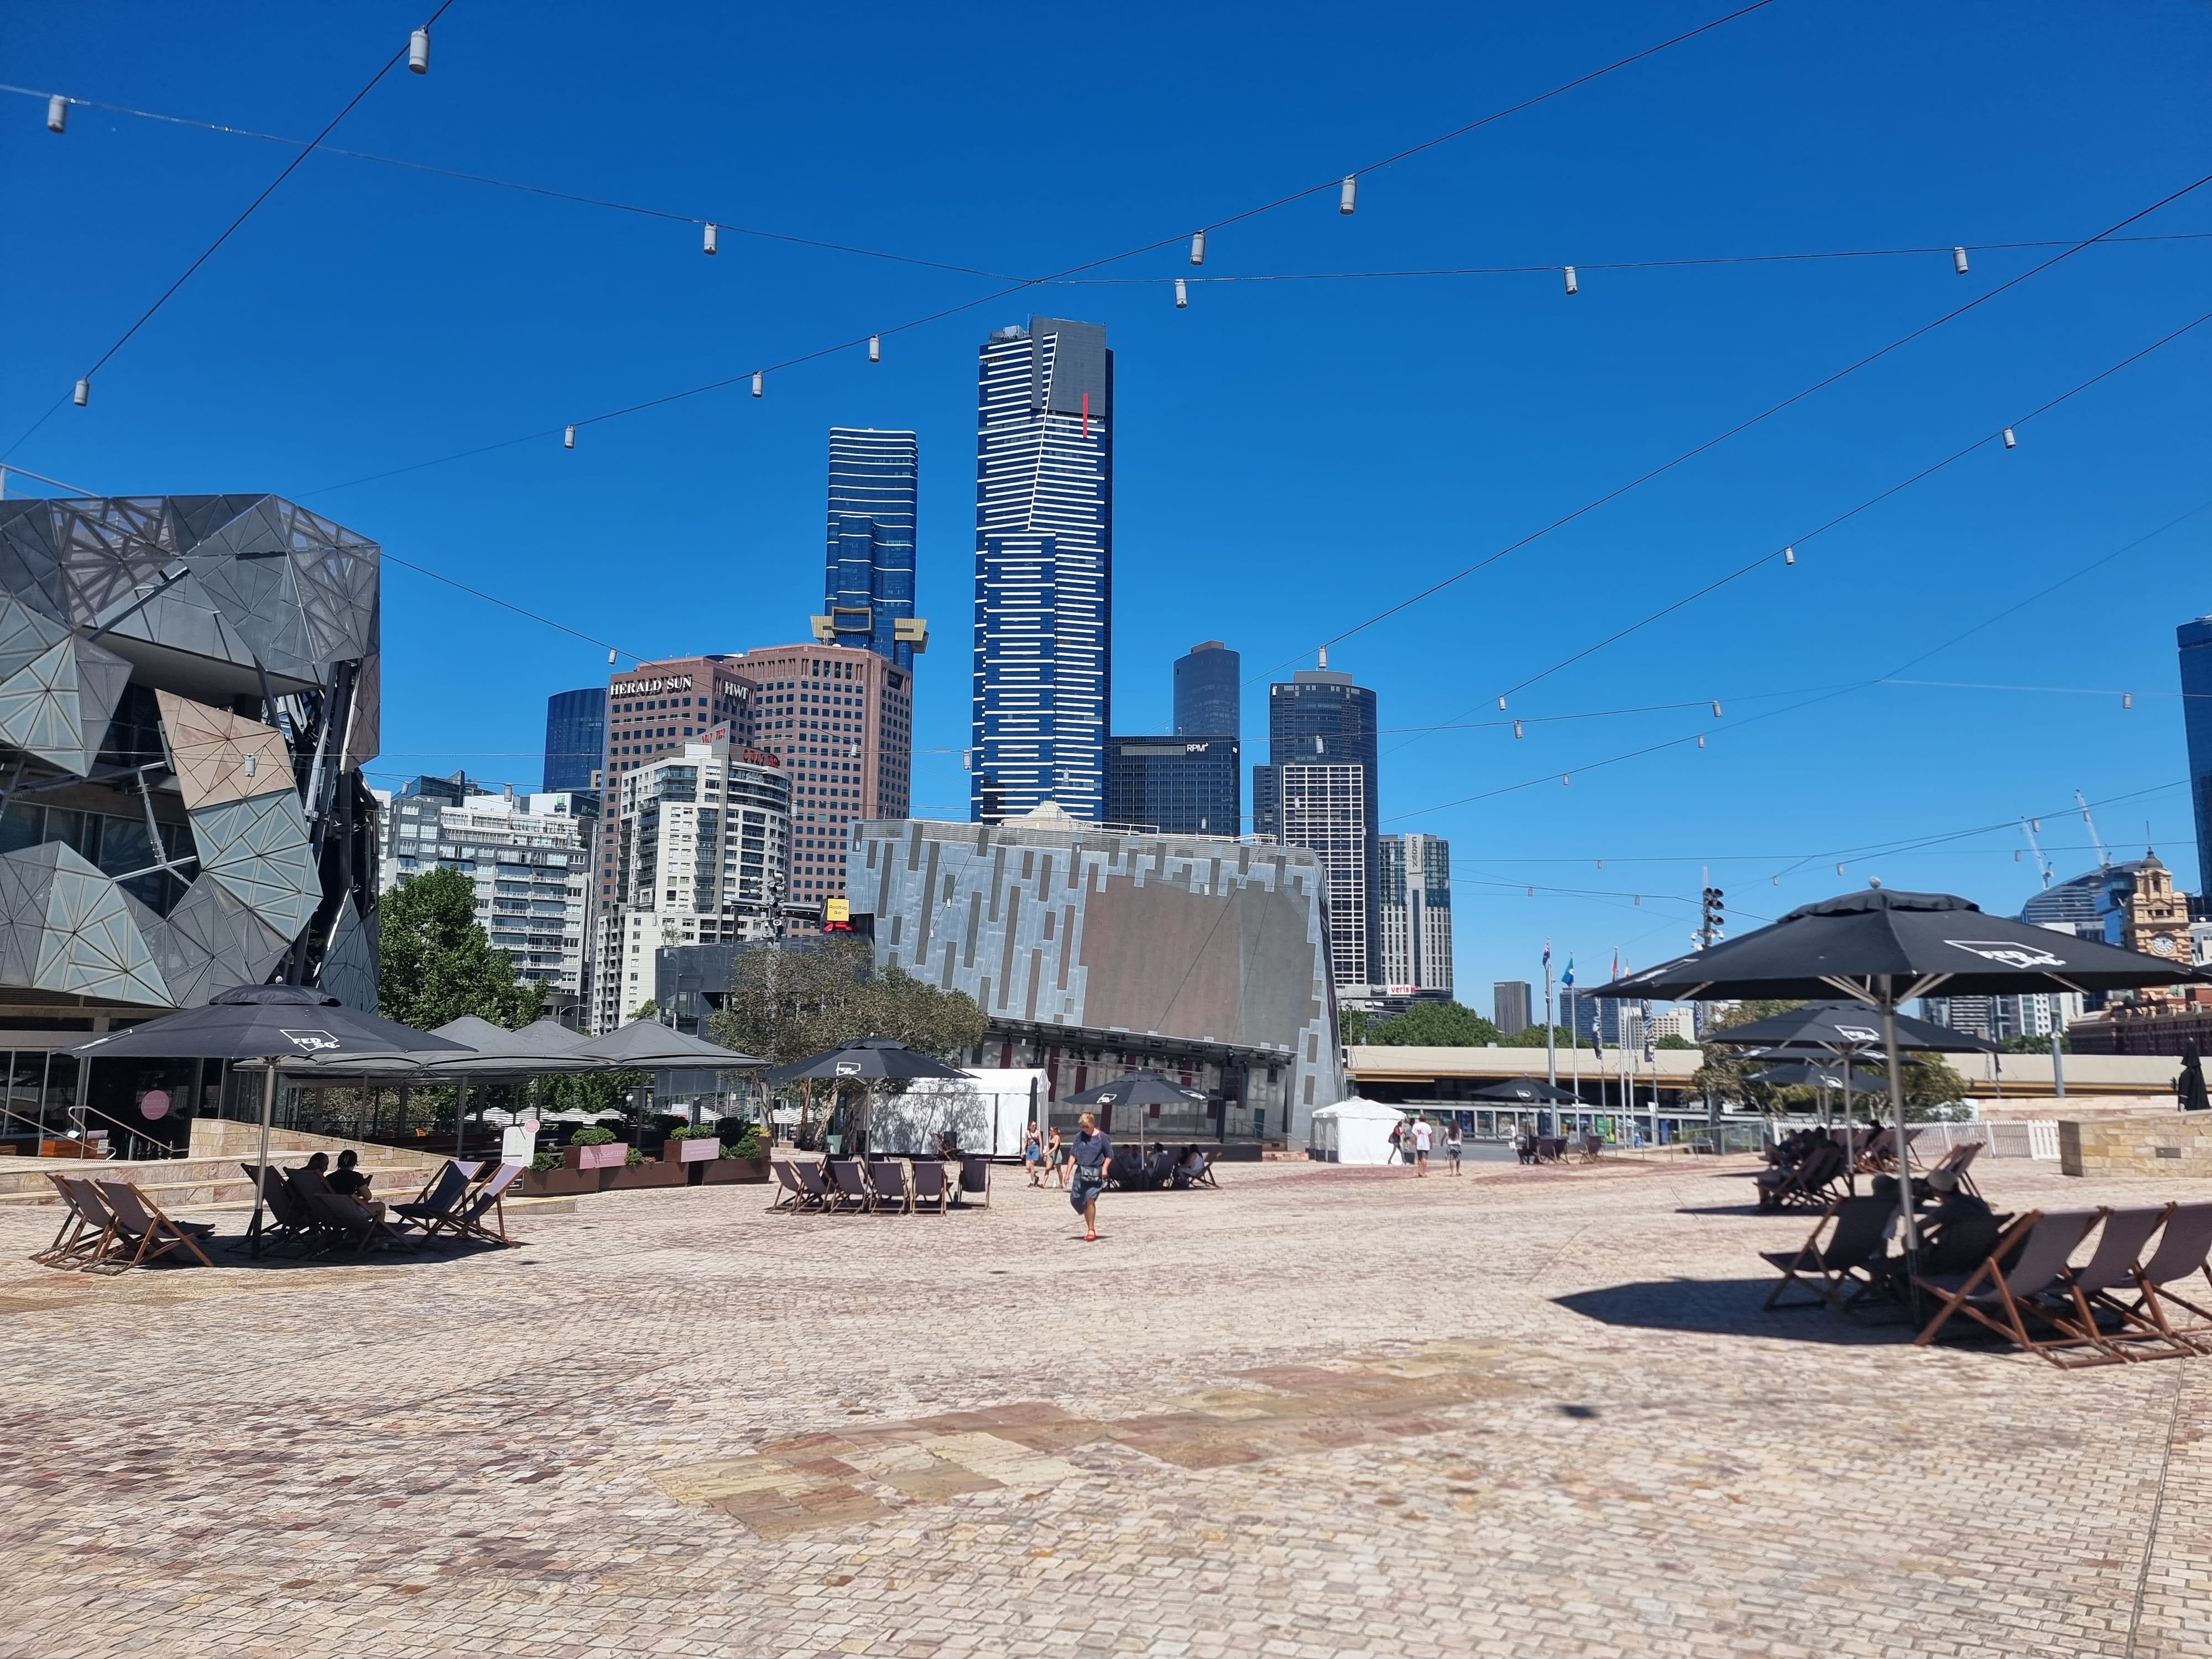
(688, 1145)
(593, 1148)
(639, 1170)
(549, 1175)
(744, 1158)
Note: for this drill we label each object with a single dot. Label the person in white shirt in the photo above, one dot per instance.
(1452, 1138)
(1421, 1133)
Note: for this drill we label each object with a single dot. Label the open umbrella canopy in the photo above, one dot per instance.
(644, 1045)
(1136, 1089)
(1804, 1074)
(867, 1059)
(1884, 946)
(1525, 1090)
(489, 1051)
(1842, 1027)
(292, 1023)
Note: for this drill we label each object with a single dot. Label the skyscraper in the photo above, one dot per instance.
(1413, 912)
(1327, 810)
(1177, 786)
(867, 583)
(1321, 719)
(2195, 639)
(1045, 569)
(575, 739)
(1509, 1004)
(1207, 700)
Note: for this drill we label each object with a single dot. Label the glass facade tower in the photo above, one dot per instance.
(1044, 570)
(2195, 639)
(867, 583)
(1321, 718)
(575, 739)
(1207, 701)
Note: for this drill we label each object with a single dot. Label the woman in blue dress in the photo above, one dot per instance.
(1092, 1150)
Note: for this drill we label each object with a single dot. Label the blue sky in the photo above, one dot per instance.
(1293, 456)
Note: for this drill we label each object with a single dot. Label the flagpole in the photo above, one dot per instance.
(1551, 1034)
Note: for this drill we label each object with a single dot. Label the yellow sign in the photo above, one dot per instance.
(836, 910)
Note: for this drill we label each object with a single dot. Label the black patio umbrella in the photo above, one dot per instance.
(1136, 1089)
(285, 1027)
(2189, 1087)
(1882, 948)
(867, 1059)
(1525, 1090)
(1805, 1074)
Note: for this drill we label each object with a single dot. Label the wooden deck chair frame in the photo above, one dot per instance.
(82, 1236)
(2184, 1250)
(928, 1184)
(898, 1198)
(444, 1193)
(1856, 1228)
(2084, 1292)
(141, 1226)
(2003, 1300)
(466, 1221)
(284, 1212)
(848, 1185)
(791, 1194)
(814, 1177)
(1959, 1160)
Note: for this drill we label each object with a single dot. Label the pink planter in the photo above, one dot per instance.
(691, 1149)
(613, 1156)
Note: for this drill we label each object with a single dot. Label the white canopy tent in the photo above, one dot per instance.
(1354, 1131)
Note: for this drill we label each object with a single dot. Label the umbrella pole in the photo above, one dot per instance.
(261, 1180)
(1850, 1151)
(1908, 1231)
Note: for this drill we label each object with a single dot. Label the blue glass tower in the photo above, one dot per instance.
(2195, 639)
(1044, 570)
(868, 582)
(1208, 701)
(575, 738)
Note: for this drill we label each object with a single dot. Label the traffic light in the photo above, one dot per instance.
(1711, 923)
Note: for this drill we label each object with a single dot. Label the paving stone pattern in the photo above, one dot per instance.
(1322, 1412)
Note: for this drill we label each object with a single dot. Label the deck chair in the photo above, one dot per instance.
(467, 1220)
(791, 1194)
(849, 1185)
(929, 1185)
(894, 1189)
(976, 1176)
(2002, 1299)
(1958, 1161)
(2085, 1292)
(83, 1235)
(1808, 1182)
(1874, 1153)
(341, 1218)
(2182, 1248)
(814, 1179)
(1856, 1228)
(141, 1235)
(440, 1195)
(284, 1214)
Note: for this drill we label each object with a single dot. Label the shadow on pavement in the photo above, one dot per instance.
(1726, 1307)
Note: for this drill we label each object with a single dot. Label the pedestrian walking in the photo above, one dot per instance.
(1452, 1138)
(1055, 1158)
(1033, 1154)
(1093, 1148)
(1422, 1133)
(1398, 1149)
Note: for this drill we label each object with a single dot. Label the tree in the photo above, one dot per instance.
(2036, 1045)
(785, 1005)
(1532, 1036)
(1355, 1026)
(1670, 1040)
(1725, 1074)
(1435, 1025)
(436, 964)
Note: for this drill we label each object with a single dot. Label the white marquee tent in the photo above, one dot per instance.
(1354, 1131)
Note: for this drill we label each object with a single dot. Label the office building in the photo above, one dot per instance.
(529, 857)
(841, 721)
(1044, 570)
(576, 741)
(1209, 699)
(1094, 953)
(1997, 1019)
(1174, 785)
(654, 709)
(2195, 641)
(2132, 905)
(1413, 912)
(1508, 1006)
(867, 584)
(1319, 722)
(699, 844)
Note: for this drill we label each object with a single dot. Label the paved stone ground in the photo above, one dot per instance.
(1322, 1412)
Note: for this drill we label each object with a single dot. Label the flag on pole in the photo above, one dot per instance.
(1567, 979)
(1547, 953)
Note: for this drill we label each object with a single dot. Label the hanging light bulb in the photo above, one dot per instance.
(1959, 260)
(1572, 286)
(610, 656)
(1349, 198)
(1601, 863)
(1701, 740)
(57, 114)
(1501, 705)
(568, 439)
(709, 244)
(2015, 855)
(759, 377)
(875, 348)
(1639, 898)
(1516, 728)
(1777, 881)
(2011, 442)
(1532, 892)
(1717, 709)
(1198, 248)
(83, 394)
(418, 51)
(1182, 295)
(2127, 699)
(1565, 779)
(1840, 869)
(1788, 556)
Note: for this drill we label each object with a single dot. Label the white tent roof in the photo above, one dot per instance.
(1358, 1106)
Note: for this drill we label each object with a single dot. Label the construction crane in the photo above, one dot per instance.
(2104, 858)
(2027, 827)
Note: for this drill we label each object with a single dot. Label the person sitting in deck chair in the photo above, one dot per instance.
(1958, 1230)
(348, 1181)
(1159, 1168)
(1192, 1167)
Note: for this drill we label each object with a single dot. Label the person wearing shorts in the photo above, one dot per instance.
(1452, 1144)
(1033, 1155)
(1421, 1133)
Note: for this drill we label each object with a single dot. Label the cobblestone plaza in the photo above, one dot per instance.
(1322, 1411)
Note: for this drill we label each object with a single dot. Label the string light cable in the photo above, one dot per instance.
(84, 383)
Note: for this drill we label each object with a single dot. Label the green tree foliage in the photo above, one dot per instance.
(1354, 1026)
(2036, 1045)
(588, 1091)
(1435, 1025)
(1725, 1074)
(436, 963)
(786, 1005)
(1532, 1036)
(1670, 1040)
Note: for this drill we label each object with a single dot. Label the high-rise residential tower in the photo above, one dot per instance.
(1044, 570)
(1509, 1005)
(1322, 722)
(2195, 639)
(575, 739)
(1207, 700)
(1413, 912)
(867, 582)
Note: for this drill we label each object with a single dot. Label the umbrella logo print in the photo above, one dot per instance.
(1106, 1100)
(848, 1068)
(2009, 955)
(314, 1041)
(1860, 1033)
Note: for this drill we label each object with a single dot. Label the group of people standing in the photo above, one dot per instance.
(1412, 1142)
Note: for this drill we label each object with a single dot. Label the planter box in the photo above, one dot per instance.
(558, 1184)
(609, 1156)
(642, 1175)
(723, 1171)
(692, 1149)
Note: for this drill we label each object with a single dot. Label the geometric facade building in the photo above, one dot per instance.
(188, 690)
